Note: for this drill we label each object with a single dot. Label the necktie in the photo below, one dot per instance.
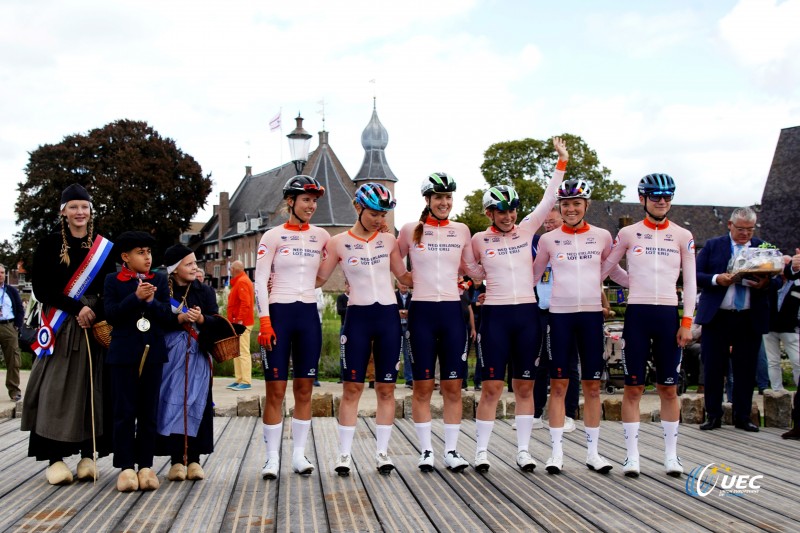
(740, 290)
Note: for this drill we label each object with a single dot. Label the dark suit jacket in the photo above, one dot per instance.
(785, 319)
(16, 304)
(123, 309)
(713, 259)
(400, 300)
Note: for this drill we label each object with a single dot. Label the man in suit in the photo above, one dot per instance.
(403, 302)
(734, 313)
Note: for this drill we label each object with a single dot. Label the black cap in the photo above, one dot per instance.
(129, 240)
(175, 254)
(74, 192)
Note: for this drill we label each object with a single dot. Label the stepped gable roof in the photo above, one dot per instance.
(704, 221)
(779, 217)
(374, 139)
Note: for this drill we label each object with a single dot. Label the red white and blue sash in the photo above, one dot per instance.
(77, 285)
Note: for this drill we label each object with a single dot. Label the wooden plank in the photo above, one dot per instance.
(567, 489)
(301, 505)
(253, 503)
(346, 499)
(444, 506)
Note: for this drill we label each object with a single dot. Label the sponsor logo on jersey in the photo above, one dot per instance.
(352, 260)
(668, 237)
(358, 246)
(638, 235)
(590, 240)
(490, 252)
(451, 233)
(347, 247)
(262, 251)
(648, 237)
(419, 247)
(567, 242)
(495, 239)
(526, 374)
(690, 245)
(343, 339)
(561, 257)
(312, 238)
(615, 243)
(637, 250)
(284, 251)
(428, 232)
(379, 244)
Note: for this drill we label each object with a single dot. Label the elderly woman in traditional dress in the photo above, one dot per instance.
(63, 407)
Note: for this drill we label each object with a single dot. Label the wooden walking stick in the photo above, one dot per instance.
(144, 358)
(91, 402)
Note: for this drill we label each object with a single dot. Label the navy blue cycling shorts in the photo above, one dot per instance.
(573, 335)
(299, 336)
(651, 328)
(371, 329)
(509, 333)
(437, 329)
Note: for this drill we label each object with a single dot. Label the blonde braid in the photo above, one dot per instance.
(88, 242)
(64, 255)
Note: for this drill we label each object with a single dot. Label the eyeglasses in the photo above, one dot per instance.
(745, 229)
(656, 197)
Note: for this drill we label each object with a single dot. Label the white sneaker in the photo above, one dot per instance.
(525, 461)
(598, 464)
(425, 462)
(302, 465)
(271, 468)
(554, 465)
(569, 425)
(673, 466)
(481, 463)
(630, 467)
(514, 426)
(537, 423)
(343, 465)
(455, 461)
(384, 464)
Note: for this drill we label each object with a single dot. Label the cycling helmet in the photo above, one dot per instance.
(375, 196)
(501, 197)
(437, 182)
(574, 188)
(302, 185)
(657, 185)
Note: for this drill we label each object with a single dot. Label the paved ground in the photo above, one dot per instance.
(227, 398)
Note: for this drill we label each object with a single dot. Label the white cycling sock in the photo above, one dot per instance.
(631, 432)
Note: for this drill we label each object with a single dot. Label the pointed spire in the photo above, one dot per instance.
(374, 139)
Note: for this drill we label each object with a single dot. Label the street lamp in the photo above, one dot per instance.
(299, 143)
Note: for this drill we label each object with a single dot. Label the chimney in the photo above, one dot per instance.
(224, 216)
(323, 138)
(248, 171)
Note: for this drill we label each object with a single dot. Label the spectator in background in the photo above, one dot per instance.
(792, 272)
(784, 307)
(403, 302)
(201, 276)
(240, 311)
(11, 315)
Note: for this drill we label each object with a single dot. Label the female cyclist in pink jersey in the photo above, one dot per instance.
(575, 253)
(368, 257)
(510, 331)
(290, 327)
(438, 248)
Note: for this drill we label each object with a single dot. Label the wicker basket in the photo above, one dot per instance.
(227, 348)
(102, 333)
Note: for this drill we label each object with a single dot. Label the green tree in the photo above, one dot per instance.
(528, 165)
(8, 255)
(138, 180)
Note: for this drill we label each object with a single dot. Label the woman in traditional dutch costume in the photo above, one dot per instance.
(66, 384)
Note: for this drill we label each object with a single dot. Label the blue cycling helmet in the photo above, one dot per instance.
(375, 196)
(657, 185)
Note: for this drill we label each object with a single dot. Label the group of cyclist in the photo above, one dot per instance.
(297, 257)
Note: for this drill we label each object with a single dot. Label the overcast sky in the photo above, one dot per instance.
(699, 90)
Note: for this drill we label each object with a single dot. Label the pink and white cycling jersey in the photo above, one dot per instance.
(576, 258)
(445, 248)
(367, 264)
(507, 258)
(655, 256)
(293, 254)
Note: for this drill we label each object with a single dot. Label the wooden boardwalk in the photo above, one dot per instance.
(233, 497)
